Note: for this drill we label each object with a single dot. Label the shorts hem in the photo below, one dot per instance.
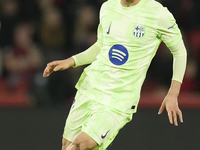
(67, 138)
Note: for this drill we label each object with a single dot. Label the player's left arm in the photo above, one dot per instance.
(171, 100)
(170, 34)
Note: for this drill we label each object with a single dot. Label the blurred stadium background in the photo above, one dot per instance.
(33, 109)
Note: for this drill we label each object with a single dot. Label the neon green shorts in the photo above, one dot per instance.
(100, 122)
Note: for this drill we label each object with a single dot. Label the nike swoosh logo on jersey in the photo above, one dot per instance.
(103, 136)
(108, 32)
(172, 26)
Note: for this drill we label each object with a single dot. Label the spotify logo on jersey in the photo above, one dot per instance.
(118, 54)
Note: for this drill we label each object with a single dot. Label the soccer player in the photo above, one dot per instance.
(129, 34)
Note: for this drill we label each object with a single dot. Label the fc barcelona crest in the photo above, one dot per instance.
(139, 31)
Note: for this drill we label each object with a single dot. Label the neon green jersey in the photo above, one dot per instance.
(130, 37)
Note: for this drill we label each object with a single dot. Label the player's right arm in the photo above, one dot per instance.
(83, 58)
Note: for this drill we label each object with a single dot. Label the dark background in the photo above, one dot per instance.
(33, 109)
(41, 129)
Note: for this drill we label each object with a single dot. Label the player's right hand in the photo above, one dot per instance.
(58, 66)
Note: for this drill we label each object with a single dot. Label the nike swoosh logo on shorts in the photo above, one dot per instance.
(103, 136)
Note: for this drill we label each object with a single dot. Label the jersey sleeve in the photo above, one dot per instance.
(168, 30)
(179, 60)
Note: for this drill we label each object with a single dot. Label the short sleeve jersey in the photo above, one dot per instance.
(130, 37)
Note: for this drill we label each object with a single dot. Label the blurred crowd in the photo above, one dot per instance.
(35, 32)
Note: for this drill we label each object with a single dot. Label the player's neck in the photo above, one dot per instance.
(129, 3)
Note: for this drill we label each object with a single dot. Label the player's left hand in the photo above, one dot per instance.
(171, 104)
